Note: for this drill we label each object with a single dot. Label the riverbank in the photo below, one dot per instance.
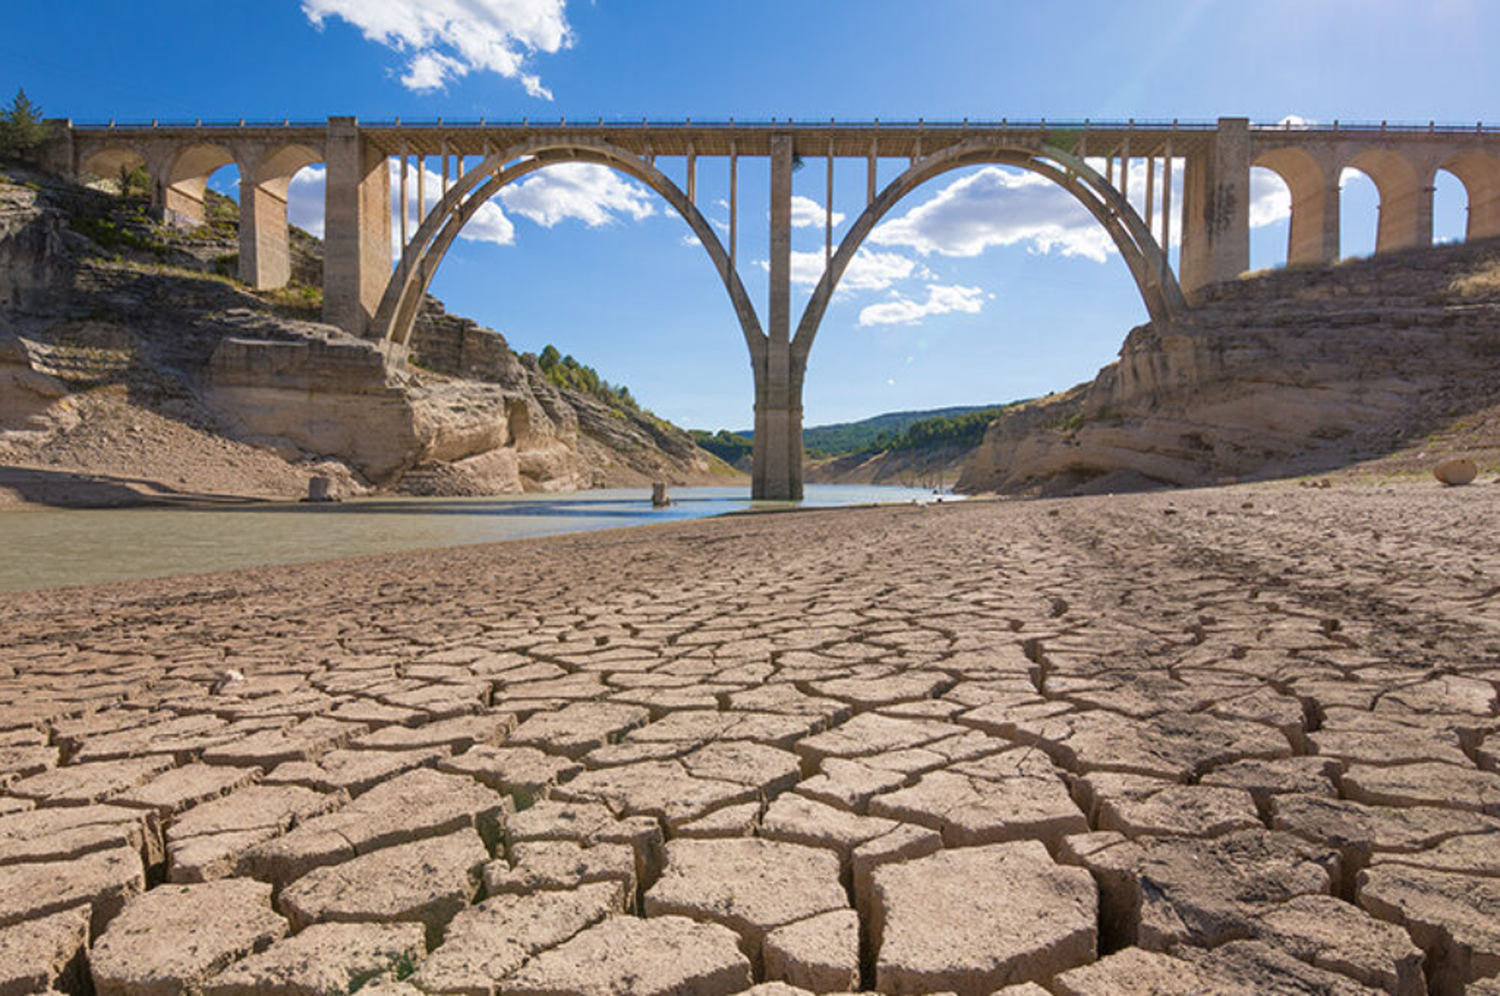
(895, 727)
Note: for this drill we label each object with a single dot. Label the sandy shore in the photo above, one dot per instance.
(1231, 741)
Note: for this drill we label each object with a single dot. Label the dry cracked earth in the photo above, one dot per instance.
(1237, 741)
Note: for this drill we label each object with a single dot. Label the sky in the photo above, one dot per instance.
(983, 286)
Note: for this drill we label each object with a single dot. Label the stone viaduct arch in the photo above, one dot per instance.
(180, 172)
(368, 292)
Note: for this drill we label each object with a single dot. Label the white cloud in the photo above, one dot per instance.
(808, 213)
(998, 207)
(1270, 200)
(448, 39)
(304, 200)
(941, 300)
(594, 195)
(691, 240)
(869, 270)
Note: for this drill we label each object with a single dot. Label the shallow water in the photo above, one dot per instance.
(50, 548)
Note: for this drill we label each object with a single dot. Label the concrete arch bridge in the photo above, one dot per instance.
(367, 291)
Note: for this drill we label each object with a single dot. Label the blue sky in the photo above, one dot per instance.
(984, 288)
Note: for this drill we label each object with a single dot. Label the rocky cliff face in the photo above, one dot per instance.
(234, 371)
(1289, 372)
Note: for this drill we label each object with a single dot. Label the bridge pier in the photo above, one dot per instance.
(265, 253)
(778, 373)
(357, 219)
(1216, 209)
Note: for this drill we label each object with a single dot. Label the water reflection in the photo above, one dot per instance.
(48, 548)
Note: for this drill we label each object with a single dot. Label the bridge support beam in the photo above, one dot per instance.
(778, 373)
(1216, 209)
(357, 219)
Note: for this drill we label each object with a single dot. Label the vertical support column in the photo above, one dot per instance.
(1166, 201)
(1150, 191)
(1125, 170)
(357, 240)
(405, 207)
(1216, 209)
(1405, 214)
(265, 257)
(734, 203)
(778, 387)
(870, 171)
(421, 190)
(828, 212)
(692, 175)
(445, 165)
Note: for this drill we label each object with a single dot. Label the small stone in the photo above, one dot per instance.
(820, 953)
(976, 919)
(1456, 472)
(325, 958)
(168, 941)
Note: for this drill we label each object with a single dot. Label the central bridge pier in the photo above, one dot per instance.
(1121, 172)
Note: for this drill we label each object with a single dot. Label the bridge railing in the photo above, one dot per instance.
(978, 124)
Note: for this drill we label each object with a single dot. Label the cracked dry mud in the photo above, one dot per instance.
(1234, 741)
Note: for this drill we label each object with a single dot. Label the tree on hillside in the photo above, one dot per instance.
(22, 130)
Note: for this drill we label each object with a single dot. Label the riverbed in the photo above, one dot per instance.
(49, 548)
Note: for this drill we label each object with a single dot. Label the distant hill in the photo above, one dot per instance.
(875, 432)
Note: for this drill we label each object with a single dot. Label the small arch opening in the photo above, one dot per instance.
(1359, 214)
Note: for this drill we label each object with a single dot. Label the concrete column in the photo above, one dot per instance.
(1484, 209)
(357, 238)
(1216, 215)
(265, 258)
(692, 175)
(1405, 215)
(778, 379)
(1166, 202)
(870, 171)
(734, 204)
(1314, 229)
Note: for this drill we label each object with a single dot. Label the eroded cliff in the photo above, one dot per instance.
(1283, 373)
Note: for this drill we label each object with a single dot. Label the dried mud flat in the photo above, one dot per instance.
(1233, 741)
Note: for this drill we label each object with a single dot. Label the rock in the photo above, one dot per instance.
(427, 881)
(104, 880)
(168, 941)
(800, 820)
(820, 953)
(352, 771)
(1017, 795)
(626, 956)
(576, 729)
(1458, 471)
(1138, 972)
(1444, 785)
(1337, 936)
(210, 841)
(419, 804)
(1454, 918)
(83, 784)
(1253, 967)
(325, 958)
(183, 788)
(748, 884)
(45, 954)
(559, 864)
(67, 832)
(661, 789)
(979, 918)
(486, 943)
(523, 773)
(1139, 807)
(904, 843)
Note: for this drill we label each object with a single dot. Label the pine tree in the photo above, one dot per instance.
(22, 130)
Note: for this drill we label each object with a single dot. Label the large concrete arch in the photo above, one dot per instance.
(419, 262)
(108, 161)
(1314, 229)
(1143, 255)
(1479, 172)
(1405, 198)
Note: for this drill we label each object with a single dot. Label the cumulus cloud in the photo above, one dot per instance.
(808, 213)
(1270, 200)
(594, 195)
(998, 207)
(941, 300)
(445, 40)
(869, 270)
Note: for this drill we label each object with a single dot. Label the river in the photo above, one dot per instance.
(50, 548)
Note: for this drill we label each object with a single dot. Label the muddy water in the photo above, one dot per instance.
(51, 548)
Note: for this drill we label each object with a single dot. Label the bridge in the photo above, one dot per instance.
(368, 292)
